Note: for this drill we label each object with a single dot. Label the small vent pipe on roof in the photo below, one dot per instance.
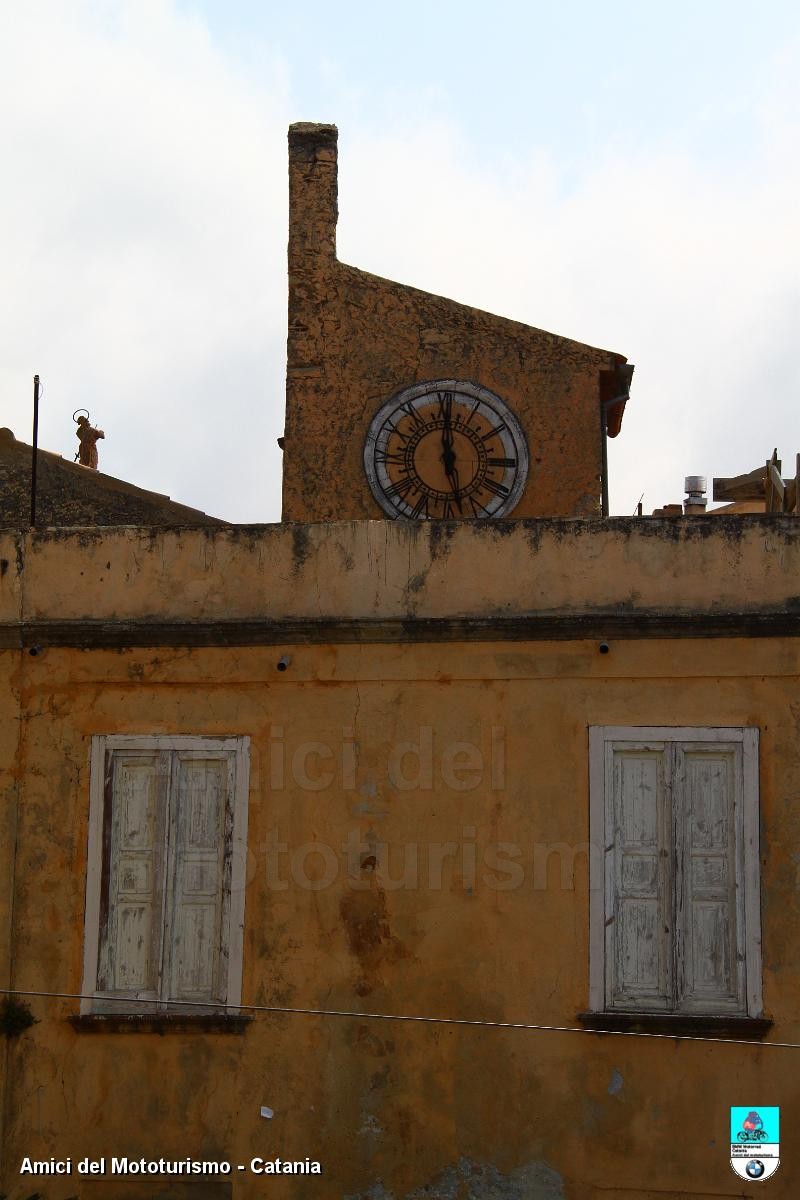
(696, 499)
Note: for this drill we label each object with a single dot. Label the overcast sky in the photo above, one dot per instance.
(625, 174)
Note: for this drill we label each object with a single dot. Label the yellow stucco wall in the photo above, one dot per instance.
(391, 570)
(390, 1105)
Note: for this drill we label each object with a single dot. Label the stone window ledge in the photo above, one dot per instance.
(678, 1024)
(159, 1023)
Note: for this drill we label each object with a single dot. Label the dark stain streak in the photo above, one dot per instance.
(380, 1078)
(301, 546)
(366, 922)
(682, 529)
(370, 939)
(440, 534)
(498, 529)
(346, 558)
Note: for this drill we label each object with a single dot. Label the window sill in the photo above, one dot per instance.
(159, 1023)
(677, 1024)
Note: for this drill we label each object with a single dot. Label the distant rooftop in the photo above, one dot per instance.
(763, 490)
(68, 494)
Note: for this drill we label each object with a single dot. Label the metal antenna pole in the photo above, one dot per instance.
(35, 447)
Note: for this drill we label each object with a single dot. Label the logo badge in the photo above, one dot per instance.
(755, 1141)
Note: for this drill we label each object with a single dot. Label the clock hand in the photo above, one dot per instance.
(448, 453)
(452, 479)
(448, 456)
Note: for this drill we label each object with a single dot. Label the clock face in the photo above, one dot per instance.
(443, 450)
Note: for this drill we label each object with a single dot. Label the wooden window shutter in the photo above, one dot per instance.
(201, 821)
(675, 921)
(130, 942)
(165, 883)
(709, 877)
(638, 899)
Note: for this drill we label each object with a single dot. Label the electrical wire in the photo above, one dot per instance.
(285, 1010)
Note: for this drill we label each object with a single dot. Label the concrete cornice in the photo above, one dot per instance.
(613, 626)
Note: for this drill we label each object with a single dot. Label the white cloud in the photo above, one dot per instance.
(145, 181)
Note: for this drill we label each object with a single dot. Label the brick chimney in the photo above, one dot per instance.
(313, 206)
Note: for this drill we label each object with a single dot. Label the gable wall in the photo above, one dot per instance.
(356, 339)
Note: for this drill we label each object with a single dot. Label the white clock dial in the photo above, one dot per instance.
(446, 449)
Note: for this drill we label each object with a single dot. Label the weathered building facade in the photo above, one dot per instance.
(374, 823)
(418, 821)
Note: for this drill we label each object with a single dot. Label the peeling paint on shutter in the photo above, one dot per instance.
(638, 963)
(708, 810)
(129, 958)
(200, 830)
(165, 882)
(687, 798)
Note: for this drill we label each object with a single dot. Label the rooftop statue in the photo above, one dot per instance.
(88, 437)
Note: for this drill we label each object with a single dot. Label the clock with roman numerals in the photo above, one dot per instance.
(443, 450)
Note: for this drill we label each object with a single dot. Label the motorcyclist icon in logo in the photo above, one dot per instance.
(752, 1128)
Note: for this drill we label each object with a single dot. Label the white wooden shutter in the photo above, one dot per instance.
(638, 893)
(201, 821)
(709, 902)
(129, 951)
(706, 891)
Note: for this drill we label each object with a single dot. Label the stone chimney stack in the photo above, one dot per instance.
(313, 208)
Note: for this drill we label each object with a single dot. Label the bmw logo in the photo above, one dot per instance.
(755, 1168)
